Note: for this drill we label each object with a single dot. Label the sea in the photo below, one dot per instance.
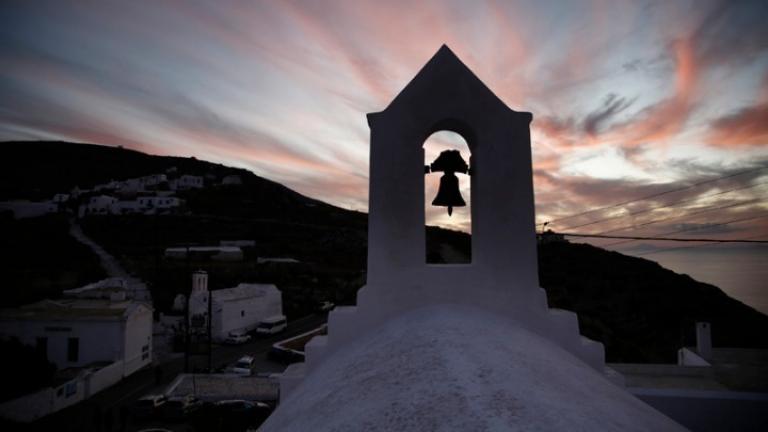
(741, 271)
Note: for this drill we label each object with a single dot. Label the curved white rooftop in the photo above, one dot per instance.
(456, 368)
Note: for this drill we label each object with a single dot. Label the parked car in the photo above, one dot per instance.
(272, 325)
(244, 366)
(237, 337)
(177, 408)
(148, 406)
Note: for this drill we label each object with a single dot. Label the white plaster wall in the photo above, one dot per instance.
(138, 334)
(99, 340)
(687, 357)
(61, 401)
(255, 308)
(103, 378)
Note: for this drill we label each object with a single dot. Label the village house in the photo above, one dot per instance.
(142, 183)
(97, 205)
(60, 198)
(77, 332)
(112, 185)
(186, 181)
(124, 207)
(95, 340)
(159, 203)
(233, 309)
(216, 253)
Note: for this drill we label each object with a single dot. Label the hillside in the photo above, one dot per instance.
(641, 311)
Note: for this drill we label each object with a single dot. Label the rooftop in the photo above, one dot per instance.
(215, 387)
(243, 291)
(449, 367)
(72, 309)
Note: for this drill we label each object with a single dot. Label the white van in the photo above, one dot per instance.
(272, 325)
(244, 366)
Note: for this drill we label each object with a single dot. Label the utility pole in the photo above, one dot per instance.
(210, 342)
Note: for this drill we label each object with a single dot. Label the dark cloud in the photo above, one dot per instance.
(732, 32)
(612, 105)
(701, 187)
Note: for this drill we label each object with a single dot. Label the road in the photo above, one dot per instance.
(89, 414)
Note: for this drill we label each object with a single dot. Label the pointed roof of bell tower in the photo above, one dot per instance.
(445, 74)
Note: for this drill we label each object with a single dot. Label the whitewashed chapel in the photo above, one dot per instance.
(462, 346)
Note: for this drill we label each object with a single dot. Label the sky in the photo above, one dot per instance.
(629, 98)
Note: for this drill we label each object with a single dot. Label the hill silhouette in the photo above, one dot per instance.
(639, 310)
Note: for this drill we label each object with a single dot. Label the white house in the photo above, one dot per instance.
(187, 181)
(159, 202)
(238, 308)
(80, 332)
(111, 185)
(60, 198)
(142, 183)
(98, 205)
(123, 207)
(216, 253)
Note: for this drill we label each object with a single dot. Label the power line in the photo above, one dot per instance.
(677, 239)
(687, 215)
(666, 206)
(656, 195)
(695, 228)
(695, 246)
(627, 239)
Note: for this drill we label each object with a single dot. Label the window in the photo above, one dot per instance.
(73, 349)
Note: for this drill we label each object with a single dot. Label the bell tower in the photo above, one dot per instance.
(503, 275)
(446, 95)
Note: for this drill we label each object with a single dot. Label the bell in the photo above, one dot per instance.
(449, 194)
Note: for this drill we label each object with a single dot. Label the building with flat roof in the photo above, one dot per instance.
(77, 332)
(240, 308)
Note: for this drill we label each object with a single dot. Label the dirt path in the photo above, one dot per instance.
(137, 289)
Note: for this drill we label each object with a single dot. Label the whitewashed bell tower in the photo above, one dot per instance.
(503, 275)
(198, 302)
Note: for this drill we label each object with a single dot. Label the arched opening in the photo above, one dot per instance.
(448, 236)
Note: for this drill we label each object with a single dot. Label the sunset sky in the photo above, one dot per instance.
(629, 98)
